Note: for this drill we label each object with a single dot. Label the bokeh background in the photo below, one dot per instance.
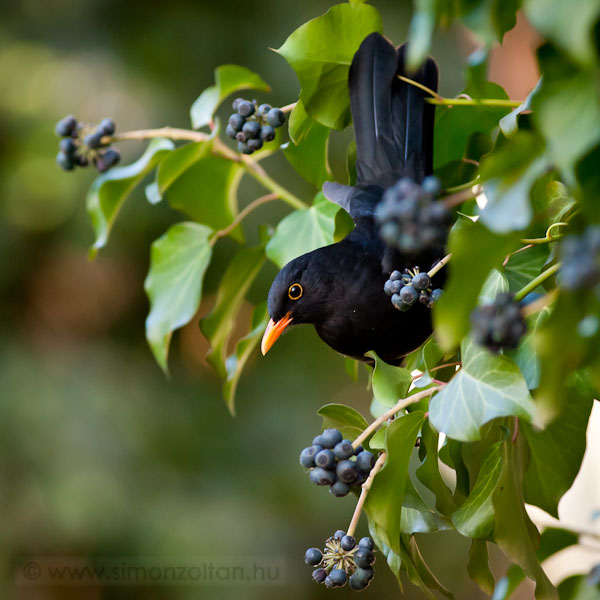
(100, 455)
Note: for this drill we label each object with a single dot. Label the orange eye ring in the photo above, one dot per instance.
(295, 291)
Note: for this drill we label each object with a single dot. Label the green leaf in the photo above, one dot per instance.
(308, 155)
(384, 502)
(495, 284)
(339, 416)
(201, 185)
(228, 79)
(321, 51)
(475, 518)
(178, 261)
(234, 284)
(393, 560)
(577, 587)
(514, 532)
(417, 516)
(508, 175)
(509, 123)
(109, 191)
(568, 24)
(525, 266)
(475, 252)
(390, 384)
(236, 362)
(491, 19)
(478, 566)
(557, 451)
(425, 357)
(487, 386)
(303, 231)
(455, 125)
(566, 109)
(429, 471)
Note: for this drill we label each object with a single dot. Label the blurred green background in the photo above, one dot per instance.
(101, 456)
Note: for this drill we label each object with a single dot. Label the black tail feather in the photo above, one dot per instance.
(393, 125)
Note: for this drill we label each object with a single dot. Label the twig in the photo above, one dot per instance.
(508, 256)
(289, 107)
(459, 197)
(366, 486)
(440, 265)
(172, 133)
(537, 281)
(242, 215)
(403, 403)
(421, 87)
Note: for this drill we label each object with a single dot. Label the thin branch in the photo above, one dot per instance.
(242, 215)
(366, 486)
(508, 256)
(289, 107)
(440, 265)
(487, 102)
(172, 133)
(401, 404)
(462, 186)
(461, 196)
(431, 92)
(537, 281)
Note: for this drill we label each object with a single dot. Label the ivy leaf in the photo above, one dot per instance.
(201, 185)
(455, 125)
(429, 471)
(339, 416)
(508, 175)
(390, 383)
(514, 532)
(178, 261)
(490, 20)
(425, 357)
(384, 502)
(303, 231)
(236, 362)
(109, 191)
(478, 566)
(509, 123)
(525, 266)
(495, 284)
(393, 560)
(557, 451)
(308, 156)
(228, 79)
(487, 386)
(475, 518)
(234, 284)
(475, 252)
(321, 51)
(417, 516)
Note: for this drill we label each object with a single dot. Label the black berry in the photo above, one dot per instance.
(93, 140)
(313, 557)
(339, 489)
(245, 108)
(64, 161)
(346, 471)
(325, 459)
(267, 133)
(330, 437)
(307, 456)
(107, 126)
(338, 577)
(347, 542)
(364, 557)
(319, 575)
(367, 543)
(276, 117)
(66, 127)
(343, 449)
(365, 461)
(322, 476)
(498, 325)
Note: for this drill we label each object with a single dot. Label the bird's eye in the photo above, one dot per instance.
(295, 291)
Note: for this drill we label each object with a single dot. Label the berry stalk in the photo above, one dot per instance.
(437, 267)
(401, 404)
(366, 486)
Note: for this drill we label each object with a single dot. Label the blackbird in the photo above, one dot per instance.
(339, 288)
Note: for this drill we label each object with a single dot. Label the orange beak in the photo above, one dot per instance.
(273, 331)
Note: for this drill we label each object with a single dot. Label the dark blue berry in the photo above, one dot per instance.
(408, 294)
(367, 543)
(343, 449)
(251, 129)
(255, 144)
(107, 126)
(240, 136)
(364, 557)
(64, 161)
(237, 102)
(93, 140)
(325, 459)
(267, 133)
(365, 461)
(357, 584)
(339, 534)
(364, 574)
(245, 108)
(275, 117)
(421, 281)
(358, 450)
(360, 478)
(346, 471)
(347, 543)
(244, 148)
(66, 126)
(307, 456)
(236, 121)
(399, 303)
(330, 437)
(395, 275)
(80, 160)
(313, 557)
(339, 489)
(436, 295)
(322, 476)
(231, 132)
(431, 185)
(111, 157)
(67, 145)
(318, 441)
(263, 109)
(338, 577)
(319, 575)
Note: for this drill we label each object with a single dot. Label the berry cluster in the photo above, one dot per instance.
(253, 124)
(408, 287)
(580, 255)
(334, 462)
(498, 325)
(343, 560)
(81, 144)
(410, 219)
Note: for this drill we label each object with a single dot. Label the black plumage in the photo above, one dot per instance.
(341, 285)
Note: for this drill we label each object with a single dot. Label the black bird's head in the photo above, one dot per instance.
(298, 294)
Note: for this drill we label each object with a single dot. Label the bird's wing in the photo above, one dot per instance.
(393, 125)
